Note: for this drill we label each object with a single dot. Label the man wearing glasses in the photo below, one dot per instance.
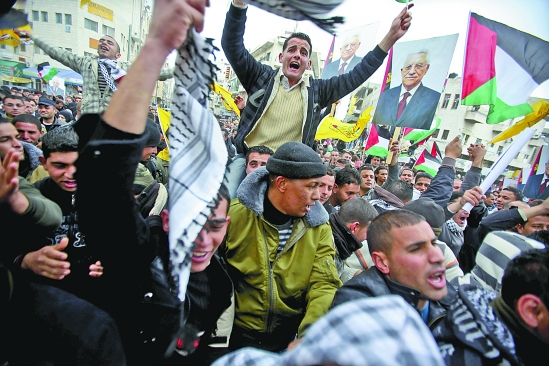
(347, 61)
(410, 104)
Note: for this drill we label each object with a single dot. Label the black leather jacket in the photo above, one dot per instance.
(372, 283)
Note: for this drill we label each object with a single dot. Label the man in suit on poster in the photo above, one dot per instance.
(536, 186)
(410, 104)
(348, 58)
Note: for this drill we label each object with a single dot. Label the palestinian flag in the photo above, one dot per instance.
(378, 141)
(428, 163)
(330, 52)
(535, 166)
(435, 152)
(520, 184)
(418, 137)
(502, 67)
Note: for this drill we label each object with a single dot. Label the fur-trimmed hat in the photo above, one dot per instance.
(295, 160)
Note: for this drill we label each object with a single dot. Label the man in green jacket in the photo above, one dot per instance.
(279, 250)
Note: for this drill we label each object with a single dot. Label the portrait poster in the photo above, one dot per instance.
(543, 158)
(415, 83)
(56, 86)
(350, 47)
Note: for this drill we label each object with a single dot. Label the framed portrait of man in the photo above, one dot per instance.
(418, 73)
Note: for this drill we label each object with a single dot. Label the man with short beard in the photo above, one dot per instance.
(407, 262)
(12, 106)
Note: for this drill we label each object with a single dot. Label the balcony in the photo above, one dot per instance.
(476, 116)
(499, 127)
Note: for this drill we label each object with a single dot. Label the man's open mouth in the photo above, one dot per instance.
(294, 65)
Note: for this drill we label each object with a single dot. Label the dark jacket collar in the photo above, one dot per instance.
(345, 241)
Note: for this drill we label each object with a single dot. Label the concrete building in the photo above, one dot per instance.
(65, 24)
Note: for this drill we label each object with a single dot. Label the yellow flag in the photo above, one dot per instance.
(227, 98)
(83, 2)
(540, 110)
(9, 38)
(164, 117)
(331, 127)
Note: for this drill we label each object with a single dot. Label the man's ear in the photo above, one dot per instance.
(42, 160)
(353, 226)
(281, 183)
(531, 310)
(334, 190)
(381, 262)
(520, 228)
(309, 64)
(280, 57)
(427, 68)
(165, 215)
(118, 55)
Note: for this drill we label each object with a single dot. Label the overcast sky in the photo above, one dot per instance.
(431, 18)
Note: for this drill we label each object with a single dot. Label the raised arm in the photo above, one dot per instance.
(337, 87)
(67, 58)
(169, 26)
(245, 66)
(440, 189)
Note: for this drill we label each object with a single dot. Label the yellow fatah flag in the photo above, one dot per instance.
(331, 127)
(541, 109)
(83, 2)
(164, 117)
(9, 38)
(227, 98)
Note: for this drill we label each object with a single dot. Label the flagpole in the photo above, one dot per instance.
(396, 137)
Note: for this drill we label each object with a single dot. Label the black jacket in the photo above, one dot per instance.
(373, 283)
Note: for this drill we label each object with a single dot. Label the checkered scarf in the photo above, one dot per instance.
(110, 68)
(197, 154)
(312, 10)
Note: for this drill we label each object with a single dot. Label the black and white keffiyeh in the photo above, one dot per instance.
(312, 10)
(110, 68)
(197, 154)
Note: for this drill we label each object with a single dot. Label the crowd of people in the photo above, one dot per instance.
(310, 253)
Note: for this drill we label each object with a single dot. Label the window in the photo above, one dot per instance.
(44, 16)
(446, 100)
(68, 19)
(58, 18)
(500, 149)
(108, 31)
(123, 42)
(479, 141)
(456, 101)
(91, 25)
(35, 16)
(23, 47)
(435, 134)
(36, 49)
(2, 46)
(68, 49)
(445, 134)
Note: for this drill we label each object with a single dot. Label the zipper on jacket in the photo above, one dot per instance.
(271, 290)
